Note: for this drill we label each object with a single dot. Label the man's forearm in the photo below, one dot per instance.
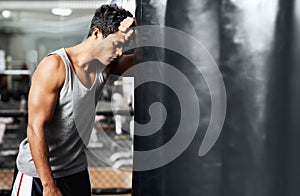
(40, 154)
(122, 65)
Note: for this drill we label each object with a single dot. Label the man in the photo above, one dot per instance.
(61, 107)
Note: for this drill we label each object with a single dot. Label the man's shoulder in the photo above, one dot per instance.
(51, 68)
(52, 61)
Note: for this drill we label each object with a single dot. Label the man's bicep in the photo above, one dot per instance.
(43, 94)
(41, 104)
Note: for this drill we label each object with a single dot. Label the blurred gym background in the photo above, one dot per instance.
(257, 47)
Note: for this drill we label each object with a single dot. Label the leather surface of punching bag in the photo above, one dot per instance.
(256, 153)
(293, 94)
(255, 63)
(200, 20)
(147, 182)
(189, 169)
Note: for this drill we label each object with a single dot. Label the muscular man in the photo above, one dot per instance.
(61, 108)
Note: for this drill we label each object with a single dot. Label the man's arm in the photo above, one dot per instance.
(123, 63)
(46, 83)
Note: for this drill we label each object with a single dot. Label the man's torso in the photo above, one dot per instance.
(69, 131)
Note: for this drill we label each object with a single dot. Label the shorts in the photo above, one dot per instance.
(73, 185)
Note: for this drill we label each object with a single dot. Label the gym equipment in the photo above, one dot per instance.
(257, 152)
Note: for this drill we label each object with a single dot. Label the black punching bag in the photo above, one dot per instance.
(256, 153)
(147, 183)
(188, 174)
(255, 65)
(191, 174)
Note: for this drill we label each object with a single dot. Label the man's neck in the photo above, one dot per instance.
(81, 54)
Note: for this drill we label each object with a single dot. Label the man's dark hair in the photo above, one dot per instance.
(107, 19)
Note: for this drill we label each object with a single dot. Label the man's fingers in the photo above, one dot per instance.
(123, 28)
(128, 34)
(126, 24)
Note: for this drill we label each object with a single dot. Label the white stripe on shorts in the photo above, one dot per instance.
(22, 185)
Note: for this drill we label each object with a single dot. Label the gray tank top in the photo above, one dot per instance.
(69, 131)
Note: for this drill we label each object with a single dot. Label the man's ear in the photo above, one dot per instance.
(97, 33)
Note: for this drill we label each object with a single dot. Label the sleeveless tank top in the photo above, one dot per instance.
(69, 131)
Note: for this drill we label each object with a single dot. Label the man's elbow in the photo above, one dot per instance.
(33, 132)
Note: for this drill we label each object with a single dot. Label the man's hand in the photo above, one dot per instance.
(124, 27)
(126, 24)
(51, 191)
(112, 46)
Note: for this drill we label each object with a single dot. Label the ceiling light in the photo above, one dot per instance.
(61, 11)
(6, 13)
